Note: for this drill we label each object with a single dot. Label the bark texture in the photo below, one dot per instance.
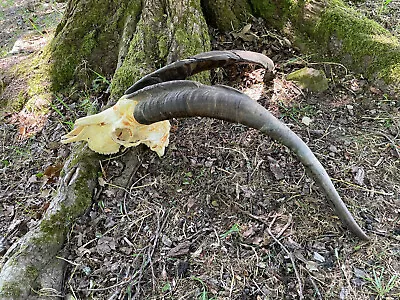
(165, 32)
(88, 39)
(226, 15)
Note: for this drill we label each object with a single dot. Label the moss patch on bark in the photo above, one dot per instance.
(226, 15)
(165, 33)
(359, 42)
(91, 41)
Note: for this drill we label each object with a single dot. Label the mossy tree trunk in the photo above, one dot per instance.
(332, 29)
(126, 39)
(98, 36)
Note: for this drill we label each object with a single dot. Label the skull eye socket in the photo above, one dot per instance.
(123, 134)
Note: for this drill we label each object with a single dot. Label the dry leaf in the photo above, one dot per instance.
(180, 249)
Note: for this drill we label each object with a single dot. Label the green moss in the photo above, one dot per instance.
(276, 12)
(136, 63)
(31, 272)
(358, 42)
(163, 46)
(226, 15)
(3, 86)
(11, 290)
(311, 79)
(36, 97)
(158, 39)
(90, 41)
(330, 27)
(193, 44)
(15, 289)
(55, 227)
(18, 103)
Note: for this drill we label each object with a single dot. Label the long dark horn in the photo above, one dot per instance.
(180, 99)
(201, 62)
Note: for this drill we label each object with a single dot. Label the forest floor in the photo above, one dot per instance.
(227, 213)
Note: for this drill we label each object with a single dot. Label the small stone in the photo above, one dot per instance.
(312, 266)
(333, 149)
(306, 121)
(350, 110)
(359, 176)
(166, 241)
(309, 78)
(360, 273)
(318, 257)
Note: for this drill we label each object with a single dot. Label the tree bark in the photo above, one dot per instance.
(127, 39)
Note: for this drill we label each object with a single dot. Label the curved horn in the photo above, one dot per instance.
(179, 99)
(201, 62)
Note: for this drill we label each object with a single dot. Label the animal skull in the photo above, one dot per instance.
(105, 132)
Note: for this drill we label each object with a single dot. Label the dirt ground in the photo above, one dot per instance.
(227, 213)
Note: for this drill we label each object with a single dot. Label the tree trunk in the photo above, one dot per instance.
(127, 39)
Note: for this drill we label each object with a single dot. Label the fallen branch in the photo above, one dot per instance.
(300, 291)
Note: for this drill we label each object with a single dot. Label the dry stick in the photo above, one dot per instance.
(275, 238)
(285, 227)
(315, 287)
(300, 291)
(113, 296)
(150, 253)
(263, 220)
(392, 143)
(362, 188)
(130, 192)
(258, 288)
(232, 283)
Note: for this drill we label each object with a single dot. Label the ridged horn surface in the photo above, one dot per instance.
(181, 99)
(201, 62)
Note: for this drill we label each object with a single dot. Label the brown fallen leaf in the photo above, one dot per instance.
(52, 172)
(181, 249)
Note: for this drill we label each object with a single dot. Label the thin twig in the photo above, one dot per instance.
(264, 220)
(106, 288)
(315, 287)
(300, 291)
(392, 143)
(147, 260)
(285, 227)
(362, 188)
(232, 283)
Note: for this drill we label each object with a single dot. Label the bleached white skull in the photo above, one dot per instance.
(105, 132)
